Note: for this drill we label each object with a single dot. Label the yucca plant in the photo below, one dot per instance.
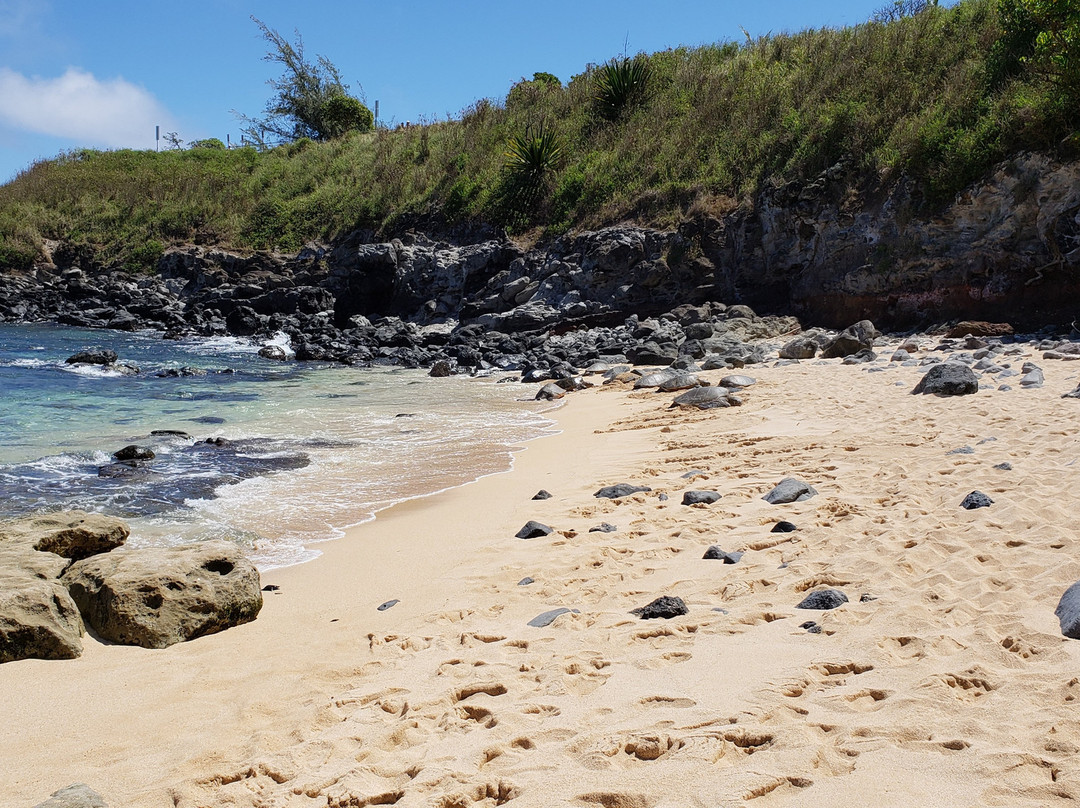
(530, 156)
(621, 83)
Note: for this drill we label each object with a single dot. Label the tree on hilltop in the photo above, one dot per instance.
(310, 99)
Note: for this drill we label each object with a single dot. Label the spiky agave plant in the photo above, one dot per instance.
(531, 155)
(619, 84)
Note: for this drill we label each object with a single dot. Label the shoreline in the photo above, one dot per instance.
(943, 680)
(129, 685)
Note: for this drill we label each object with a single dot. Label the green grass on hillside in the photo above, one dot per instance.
(931, 96)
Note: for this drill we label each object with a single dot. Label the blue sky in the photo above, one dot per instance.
(104, 74)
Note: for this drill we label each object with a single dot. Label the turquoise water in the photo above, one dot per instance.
(308, 450)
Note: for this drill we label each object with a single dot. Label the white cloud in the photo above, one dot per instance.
(81, 107)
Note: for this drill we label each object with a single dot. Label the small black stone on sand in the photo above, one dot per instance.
(666, 606)
(961, 450)
(716, 553)
(811, 627)
(823, 599)
(603, 527)
(542, 494)
(663, 497)
(532, 530)
(1004, 466)
(783, 527)
(976, 499)
(866, 598)
(694, 473)
(271, 588)
(526, 581)
(700, 497)
(620, 490)
(384, 606)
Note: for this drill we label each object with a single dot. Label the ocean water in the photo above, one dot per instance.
(307, 450)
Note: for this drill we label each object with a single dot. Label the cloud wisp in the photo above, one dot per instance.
(80, 107)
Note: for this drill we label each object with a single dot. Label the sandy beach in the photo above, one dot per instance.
(944, 680)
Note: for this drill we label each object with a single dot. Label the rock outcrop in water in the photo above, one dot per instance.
(1006, 250)
(61, 569)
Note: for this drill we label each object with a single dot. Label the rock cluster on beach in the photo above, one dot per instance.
(61, 571)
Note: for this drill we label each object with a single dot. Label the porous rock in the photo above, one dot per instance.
(948, 379)
(154, 597)
(823, 599)
(38, 619)
(70, 534)
(790, 490)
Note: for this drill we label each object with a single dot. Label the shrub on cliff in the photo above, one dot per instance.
(311, 100)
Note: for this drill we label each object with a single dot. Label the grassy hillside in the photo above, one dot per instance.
(938, 96)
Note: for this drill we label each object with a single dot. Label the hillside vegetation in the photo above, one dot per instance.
(937, 96)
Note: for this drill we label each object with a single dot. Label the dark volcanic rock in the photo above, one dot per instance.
(603, 527)
(542, 494)
(783, 527)
(1068, 612)
(620, 490)
(948, 379)
(852, 340)
(382, 607)
(533, 530)
(526, 581)
(790, 490)
(823, 599)
(665, 606)
(134, 452)
(92, 357)
(705, 398)
(718, 554)
(700, 497)
(976, 499)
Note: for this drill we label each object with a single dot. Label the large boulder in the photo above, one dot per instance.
(71, 534)
(38, 619)
(851, 340)
(948, 379)
(155, 597)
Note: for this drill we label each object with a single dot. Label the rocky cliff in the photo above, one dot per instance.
(1007, 249)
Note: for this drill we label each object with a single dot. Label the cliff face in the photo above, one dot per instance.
(1007, 249)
